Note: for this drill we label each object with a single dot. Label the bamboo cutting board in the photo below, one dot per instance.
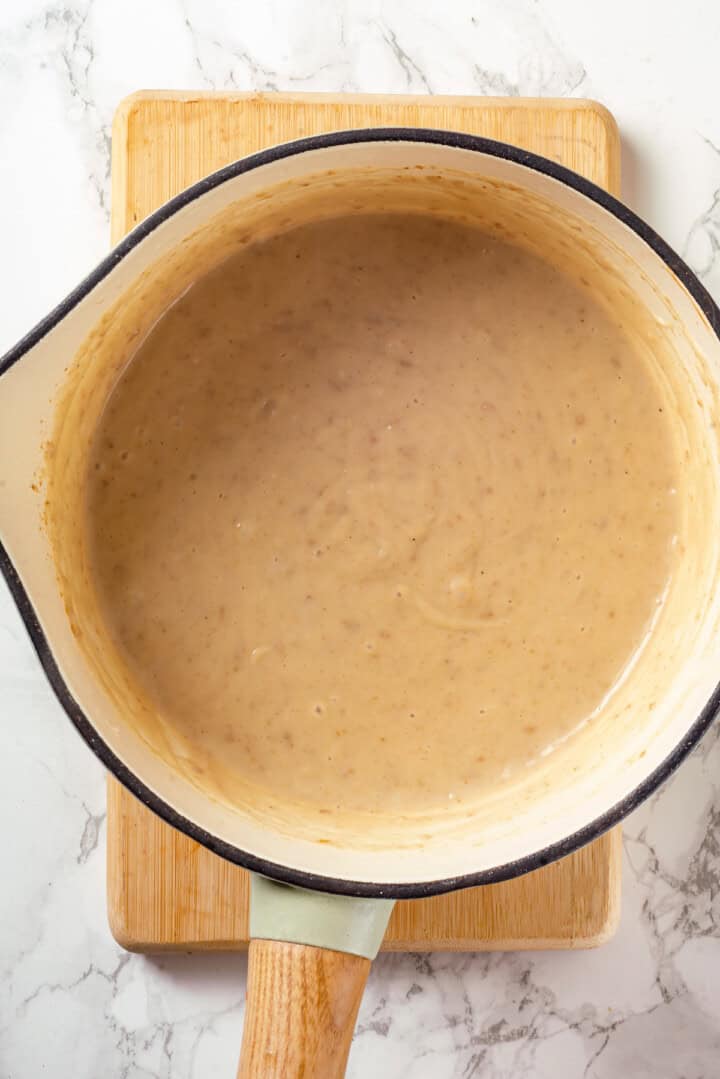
(164, 890)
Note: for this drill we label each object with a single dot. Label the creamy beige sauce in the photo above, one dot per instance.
(380, 511)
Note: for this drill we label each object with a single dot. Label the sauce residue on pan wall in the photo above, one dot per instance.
(379, 512)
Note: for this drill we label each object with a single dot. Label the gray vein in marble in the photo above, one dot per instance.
(494, 83)
(703, 243)
(91, 971)
(544, 67)
(240, 70)
(91, 834)
(260, 78)
(414, 76)
(69, 47)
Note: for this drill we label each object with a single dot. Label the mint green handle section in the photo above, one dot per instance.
(339, 922)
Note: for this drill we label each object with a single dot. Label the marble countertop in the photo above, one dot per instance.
(73, 1005)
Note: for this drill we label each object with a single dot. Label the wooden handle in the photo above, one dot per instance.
(300, 1012)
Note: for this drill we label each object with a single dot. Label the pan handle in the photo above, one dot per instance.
(309, 959)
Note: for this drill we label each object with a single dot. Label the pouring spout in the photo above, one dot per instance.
(31, 376)
(27, 390)
(32, 373)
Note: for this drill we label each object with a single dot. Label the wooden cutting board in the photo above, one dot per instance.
(164, 890)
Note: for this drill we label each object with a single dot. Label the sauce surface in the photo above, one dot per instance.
(379, 512)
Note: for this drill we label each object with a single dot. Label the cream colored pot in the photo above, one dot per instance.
(318, 936)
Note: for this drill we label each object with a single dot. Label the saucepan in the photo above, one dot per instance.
(320, 901)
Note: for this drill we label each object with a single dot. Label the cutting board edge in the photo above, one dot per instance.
(128, 108)
(127, 104)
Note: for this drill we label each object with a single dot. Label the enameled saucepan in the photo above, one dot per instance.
(320, 905)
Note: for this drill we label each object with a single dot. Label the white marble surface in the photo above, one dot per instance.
(72, 1004)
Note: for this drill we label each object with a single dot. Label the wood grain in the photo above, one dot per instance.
(300, 1011)
(165, 892)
